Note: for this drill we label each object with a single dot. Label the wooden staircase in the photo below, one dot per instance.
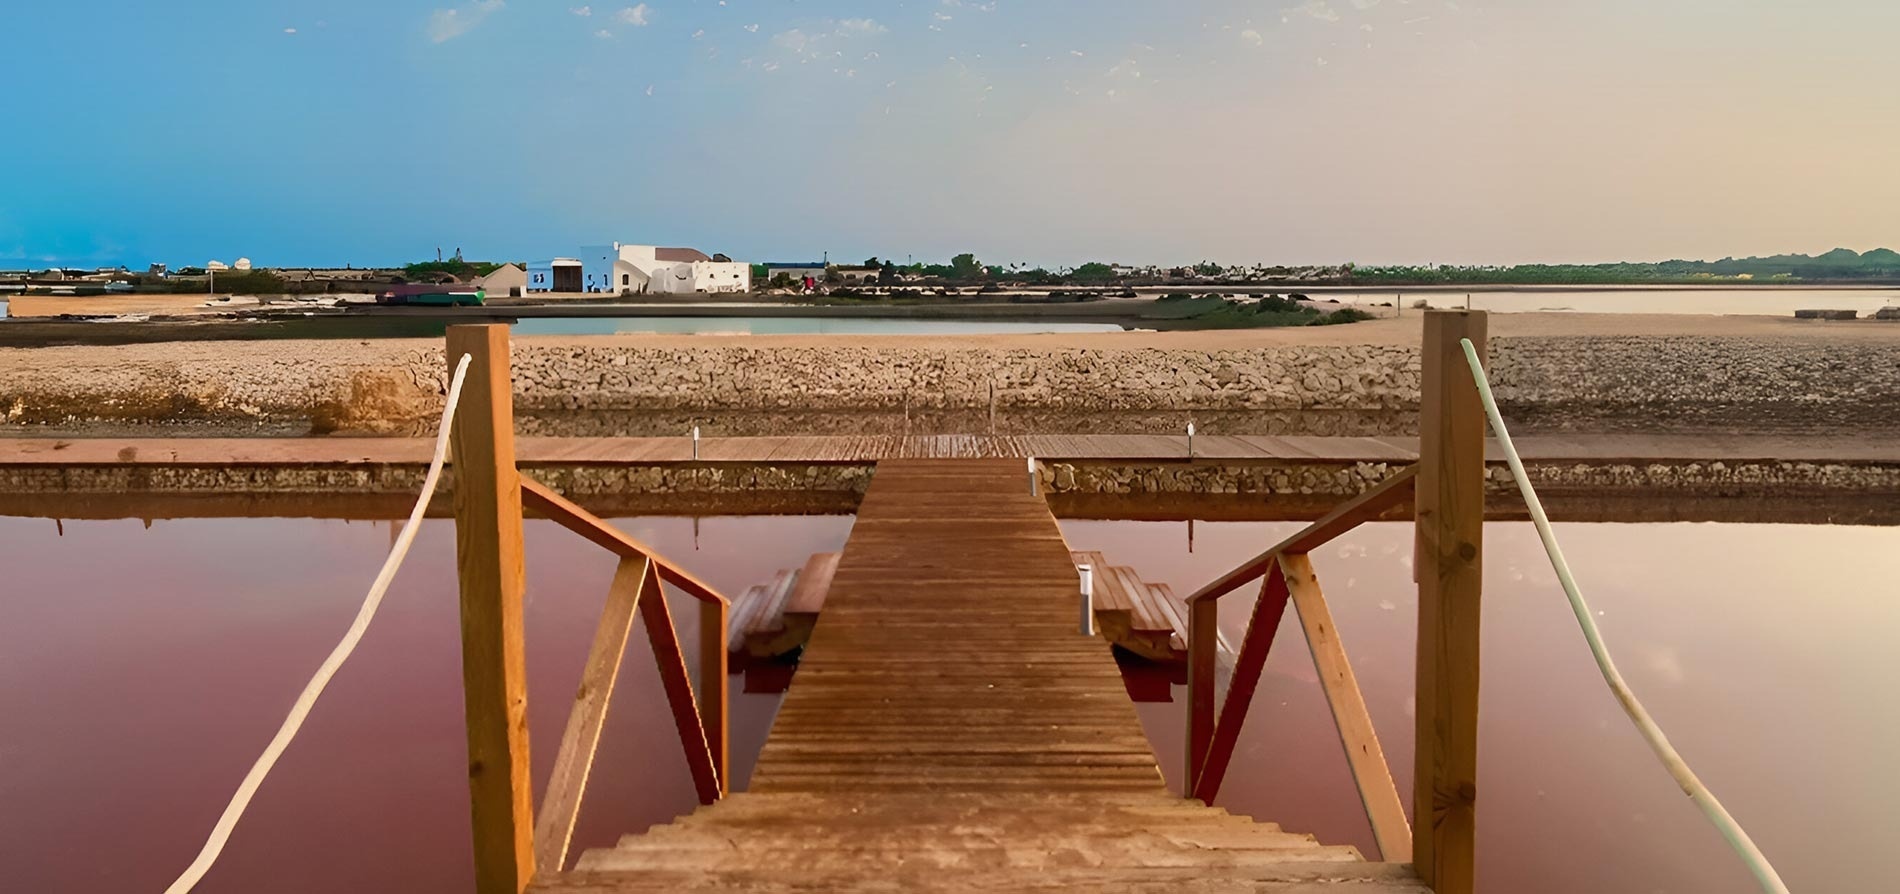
(949, 729)
(988, 842)
(776, 618)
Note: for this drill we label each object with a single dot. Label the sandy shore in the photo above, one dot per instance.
(1556, 372)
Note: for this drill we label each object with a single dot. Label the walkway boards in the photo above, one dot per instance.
(949, 729)
(948, 658)
(533, 452)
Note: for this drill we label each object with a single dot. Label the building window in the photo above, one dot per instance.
(626, 279)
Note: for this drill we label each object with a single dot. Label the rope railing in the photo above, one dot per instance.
(1678, 768)
(221, 832)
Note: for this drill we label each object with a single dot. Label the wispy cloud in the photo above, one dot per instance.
(1252, 37)
(449, 24)
(829, 42)
(582, 11)
(637, 16)
(1318, 9)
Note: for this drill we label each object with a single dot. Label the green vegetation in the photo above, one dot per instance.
(1217, 312)
(456, 267)
(1839, 264)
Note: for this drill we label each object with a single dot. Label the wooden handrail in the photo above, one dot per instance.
(571, 516)
(687, 713)
(1220, 734)
(1211, 736)
(1370, 772)
(561, 805)
(1366, 507)
(512, 844)
(707, 741)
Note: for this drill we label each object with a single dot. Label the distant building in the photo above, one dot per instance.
(242, 264)
(505, 281)
(640, 269)
(858, 274)
(217, 265)
(797, 270)
(557, 275)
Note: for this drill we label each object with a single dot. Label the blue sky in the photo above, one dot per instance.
(374, 131)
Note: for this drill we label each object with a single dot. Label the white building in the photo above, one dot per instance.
(643, 269)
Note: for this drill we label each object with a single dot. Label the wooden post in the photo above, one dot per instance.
(1449, 564)
(713, 698)
(489, 563)
(1203, 642)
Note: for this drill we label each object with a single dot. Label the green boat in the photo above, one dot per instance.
(434, 295)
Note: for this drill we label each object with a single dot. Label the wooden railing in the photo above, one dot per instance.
(1446, 490)
(1286, 575)
(511, 840)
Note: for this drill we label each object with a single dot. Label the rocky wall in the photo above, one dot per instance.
(1605, 383)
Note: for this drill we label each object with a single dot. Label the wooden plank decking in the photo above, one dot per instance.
(990, 748)
(532, 452)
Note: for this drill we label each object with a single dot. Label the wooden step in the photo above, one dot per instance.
(875, 857)
(1275, 878)
(773, 605)
(740, 614)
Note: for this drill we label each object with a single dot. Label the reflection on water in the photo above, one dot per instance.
(1764, 650)
(142, 669)
(791, 326)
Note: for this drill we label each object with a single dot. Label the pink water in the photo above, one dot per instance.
(1765, 651)
(142, 670)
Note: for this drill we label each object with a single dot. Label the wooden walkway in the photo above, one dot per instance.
(991, 748)
(532, 452)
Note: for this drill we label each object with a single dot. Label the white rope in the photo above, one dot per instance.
(1731, 830)
(221, 832)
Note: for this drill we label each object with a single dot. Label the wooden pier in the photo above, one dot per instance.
(950, 728)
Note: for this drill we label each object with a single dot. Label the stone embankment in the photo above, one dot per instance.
(1748, 490)
(1100, 383)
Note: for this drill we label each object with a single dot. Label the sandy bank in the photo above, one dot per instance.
(1557, 372)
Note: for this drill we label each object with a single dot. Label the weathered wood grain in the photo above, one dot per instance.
(492, 575)
(1364, 756)
(574, 761)
(1449, 503)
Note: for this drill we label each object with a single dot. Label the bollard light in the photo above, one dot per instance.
(695, 443)
(1032, 476)
(1190, 440)
(1088, 599)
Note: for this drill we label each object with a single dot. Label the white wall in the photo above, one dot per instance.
(713, 276)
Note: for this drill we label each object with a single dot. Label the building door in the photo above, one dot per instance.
(567, 279)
